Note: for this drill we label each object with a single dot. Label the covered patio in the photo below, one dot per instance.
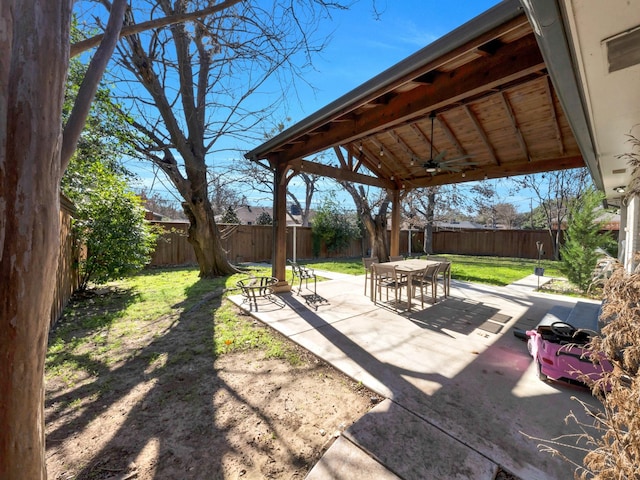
(529, 86)
(460, 390)
(520, 89)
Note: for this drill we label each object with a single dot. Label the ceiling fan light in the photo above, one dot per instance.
(431, 169)
(620, 189)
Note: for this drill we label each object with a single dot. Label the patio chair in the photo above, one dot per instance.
(429, 278)
(367, 262)
(303, 273)
(444, 272)
(395, 258)
(386, 276)
(255, 288)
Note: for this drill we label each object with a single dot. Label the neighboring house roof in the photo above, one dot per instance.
(248, 215)
(463, 225)
(150, 215)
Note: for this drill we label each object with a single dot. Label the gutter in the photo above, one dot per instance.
(492, 18)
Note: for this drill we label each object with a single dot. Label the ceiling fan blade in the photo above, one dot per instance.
(457, 159)
(439, 156)
(464, 164)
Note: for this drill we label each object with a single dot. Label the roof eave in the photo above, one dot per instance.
(492, 18)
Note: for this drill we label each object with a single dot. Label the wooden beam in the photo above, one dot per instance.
(394, 243)
(422, 136)
(398, 139)
(450, 135)
(512, 62)
(497, 171)
(514, 123)
(554, 115)
(387, 160)
(483, 134)
(339, 174)
(279, 247)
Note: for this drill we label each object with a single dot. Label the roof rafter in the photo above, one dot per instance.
(514, 124)
(482, 133)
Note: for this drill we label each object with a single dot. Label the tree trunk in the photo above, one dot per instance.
(206, 240)
(376, 225)
(34, 51)
(379, 240)
(428, 239)
(430, 217)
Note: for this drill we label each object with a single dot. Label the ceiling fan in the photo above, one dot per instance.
(437, 164)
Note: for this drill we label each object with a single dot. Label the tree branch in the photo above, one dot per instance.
(84, 45)
(89, 86)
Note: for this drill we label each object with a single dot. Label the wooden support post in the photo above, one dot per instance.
(395, 223)
(279, 252)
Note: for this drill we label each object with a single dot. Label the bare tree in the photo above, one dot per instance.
(157, 204)
(428, 205)
(222, 193)
(259, 179)
(198, 80)
(34, 152)
(555, 190)
(373, 213)
(505, 214)
(372, 210)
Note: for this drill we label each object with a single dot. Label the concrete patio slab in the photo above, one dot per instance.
(454, 367)
(415, 449)
(346, 460)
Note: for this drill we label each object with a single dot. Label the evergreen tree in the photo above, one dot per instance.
(582, 239)
(264, 219)
(230, 216)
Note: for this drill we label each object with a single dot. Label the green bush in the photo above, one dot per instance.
(109, 222)
(333, 227)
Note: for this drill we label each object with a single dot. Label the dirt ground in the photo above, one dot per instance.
(170, 411)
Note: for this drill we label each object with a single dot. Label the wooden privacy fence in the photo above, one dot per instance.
(252, 243)
(498, 243)
(67, 276)
(247, 243)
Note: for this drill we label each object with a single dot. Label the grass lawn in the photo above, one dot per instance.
(490, 270)
(89, 337)
(159, 376)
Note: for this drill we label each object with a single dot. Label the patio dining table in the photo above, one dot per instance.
(409, 267)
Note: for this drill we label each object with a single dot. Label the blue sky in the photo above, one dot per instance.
(360, 47)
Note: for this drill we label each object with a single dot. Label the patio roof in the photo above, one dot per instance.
(484, 87)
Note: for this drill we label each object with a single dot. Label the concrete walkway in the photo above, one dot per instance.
(461, 395)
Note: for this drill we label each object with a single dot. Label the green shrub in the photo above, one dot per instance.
(333, 227)
(583, 238)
